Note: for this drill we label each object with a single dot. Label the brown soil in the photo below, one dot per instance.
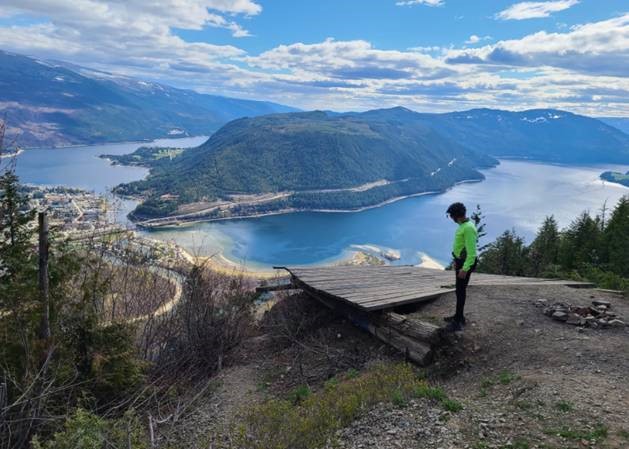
(524, 380)
(522, 377)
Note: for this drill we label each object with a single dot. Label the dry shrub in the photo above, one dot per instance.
(293, 318)
(213, 317)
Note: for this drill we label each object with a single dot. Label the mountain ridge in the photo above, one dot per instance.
(52, 103)
(316, 159)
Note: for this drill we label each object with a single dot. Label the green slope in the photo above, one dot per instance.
(305, 153)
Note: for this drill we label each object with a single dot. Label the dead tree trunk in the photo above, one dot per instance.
(43, 276)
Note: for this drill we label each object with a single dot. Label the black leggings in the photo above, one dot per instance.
(461, 288)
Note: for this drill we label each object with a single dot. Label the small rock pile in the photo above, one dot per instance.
(598, 315)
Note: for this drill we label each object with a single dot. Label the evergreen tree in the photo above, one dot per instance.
(479, 220)
(544, 251)
(616, 239)
(507, 255)
(580, 243)
(15, 214)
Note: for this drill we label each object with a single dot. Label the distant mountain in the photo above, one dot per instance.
(622, 123)
(320, 160)
(542, 134)
(51, 103)
(309, 160)
(617, 177)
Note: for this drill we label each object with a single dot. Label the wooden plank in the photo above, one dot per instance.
(420, 330)
(388, 305)
(375, 288)
(373, 282)
(366, 300)
(356, 297)
(416, 351)
(270, 285)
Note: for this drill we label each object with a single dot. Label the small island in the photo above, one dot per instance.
(144, 156)
(617, 177)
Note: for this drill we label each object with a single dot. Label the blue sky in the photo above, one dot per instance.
(428, 55)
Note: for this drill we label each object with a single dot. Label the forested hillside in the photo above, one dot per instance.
(317, 156)
(51, 103)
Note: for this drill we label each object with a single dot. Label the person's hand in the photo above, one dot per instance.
(462, 274)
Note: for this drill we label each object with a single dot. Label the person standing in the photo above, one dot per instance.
(464, 253)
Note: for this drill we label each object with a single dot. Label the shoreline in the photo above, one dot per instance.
(354, 255)
(12, 154)
(292, 211)
(108, 142)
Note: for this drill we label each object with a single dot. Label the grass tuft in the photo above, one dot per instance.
(564, 406)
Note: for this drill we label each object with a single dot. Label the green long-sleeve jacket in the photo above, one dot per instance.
(465, 237)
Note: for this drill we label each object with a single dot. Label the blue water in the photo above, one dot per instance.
(516, 194)
(81, 167)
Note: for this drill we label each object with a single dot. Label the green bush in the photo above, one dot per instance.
(85, 430)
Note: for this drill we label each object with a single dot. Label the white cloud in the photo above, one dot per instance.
(582, 69)
(533, 10)
(138, 14)
(420, 2)
(474, 39)
(597, 48)
(350, 60)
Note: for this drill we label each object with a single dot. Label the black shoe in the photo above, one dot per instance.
(449, 319)
(454, 326)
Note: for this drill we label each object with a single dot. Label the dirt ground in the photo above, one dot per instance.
(525, 381)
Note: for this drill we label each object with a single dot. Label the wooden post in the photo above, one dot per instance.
(43, 275)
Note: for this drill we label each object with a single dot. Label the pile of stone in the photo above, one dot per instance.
(598, 315)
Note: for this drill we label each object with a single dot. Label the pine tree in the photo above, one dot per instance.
(580, 243)
(616, 238)
(544, 251)
(507, 255)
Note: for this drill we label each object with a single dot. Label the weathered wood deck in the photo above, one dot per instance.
(372, 288)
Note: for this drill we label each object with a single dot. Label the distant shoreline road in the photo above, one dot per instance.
(196, 217)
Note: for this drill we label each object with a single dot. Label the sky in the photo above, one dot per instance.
(426, 55)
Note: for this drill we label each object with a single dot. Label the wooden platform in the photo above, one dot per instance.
(374, 288)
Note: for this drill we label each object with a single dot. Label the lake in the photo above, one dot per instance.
(516, 194)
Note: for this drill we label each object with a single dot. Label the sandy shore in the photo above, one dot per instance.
(429, 262)
(222, 264)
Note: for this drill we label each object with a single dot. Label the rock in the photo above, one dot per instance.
(616, 323)
(520, 322)
(560, 316)
(575, 319)
(601, 302)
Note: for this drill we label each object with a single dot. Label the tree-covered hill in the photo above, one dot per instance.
(50, 103)
(405, 151)
(323, 159)
(541, 134)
